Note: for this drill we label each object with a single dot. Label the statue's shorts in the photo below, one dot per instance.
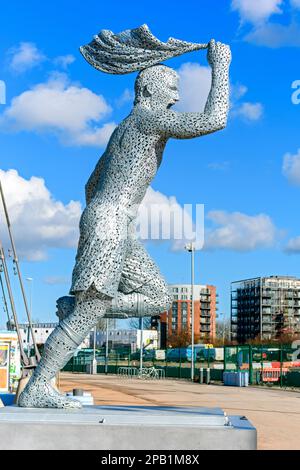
(111, 258)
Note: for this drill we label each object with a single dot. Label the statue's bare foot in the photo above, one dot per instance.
(40, 394)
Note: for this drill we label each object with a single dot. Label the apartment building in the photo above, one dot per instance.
(265, 307)
(179, 317)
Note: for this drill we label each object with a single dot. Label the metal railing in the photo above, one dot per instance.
(258, 360)
(145, 373)
(128, 372)
(151, 373)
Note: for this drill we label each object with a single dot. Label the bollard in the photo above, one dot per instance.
(201, 375)
(208, 376)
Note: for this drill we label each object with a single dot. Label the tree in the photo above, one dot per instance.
(180, 340)
(223, 326)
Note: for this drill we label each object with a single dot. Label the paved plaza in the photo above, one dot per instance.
(275, 413)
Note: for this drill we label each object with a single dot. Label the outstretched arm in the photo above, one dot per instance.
(214, 117)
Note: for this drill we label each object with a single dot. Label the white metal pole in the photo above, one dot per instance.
(167, 330)
(4, 299)
(106, 347)
(193, 309)
(141, 344)
(94, 366)
(94, 344)
(16, 263)
(24, 357)
(29, 280)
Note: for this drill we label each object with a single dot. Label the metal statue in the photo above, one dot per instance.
(113, 273)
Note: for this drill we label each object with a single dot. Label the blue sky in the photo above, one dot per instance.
(59, 113)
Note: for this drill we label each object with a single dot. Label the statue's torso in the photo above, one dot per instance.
(128, 165)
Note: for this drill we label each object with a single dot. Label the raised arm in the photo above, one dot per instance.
(214, 117)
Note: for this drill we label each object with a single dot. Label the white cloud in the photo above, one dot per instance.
(239, 232)
(237, 91)
(291, 168)
(162, 218)
(293, 246)
(56, 280)
(95, 137)
(70, 111)
(265, 32)
(256, 11)
(39, 222)
(249, 111)
(275, 35)
(126, 97)
(232, 231)
(64, 60)
(244, 109)
(195, 83)
(25, 57)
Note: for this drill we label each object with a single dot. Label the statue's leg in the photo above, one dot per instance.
(59, 348)
(142, 289)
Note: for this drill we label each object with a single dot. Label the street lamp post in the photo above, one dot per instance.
(30, 281)
(94, 366)
(191, 249)
(223, 322)
(106, 346)
(141, 344)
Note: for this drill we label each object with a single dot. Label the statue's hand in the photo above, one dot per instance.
(218, 54)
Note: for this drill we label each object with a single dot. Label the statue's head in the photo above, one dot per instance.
(157, 87)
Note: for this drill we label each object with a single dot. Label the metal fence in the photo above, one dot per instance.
(128, 372)
(145, 373)
(272, 364)
(267, 365)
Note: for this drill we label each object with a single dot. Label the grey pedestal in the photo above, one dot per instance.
(124, 428)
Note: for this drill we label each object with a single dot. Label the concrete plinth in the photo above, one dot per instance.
(124, 428)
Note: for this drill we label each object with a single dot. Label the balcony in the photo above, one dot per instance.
(266, 292)
(267, 329)
(205, 298)
(205, 314)
(267, 319)
(204, 330)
